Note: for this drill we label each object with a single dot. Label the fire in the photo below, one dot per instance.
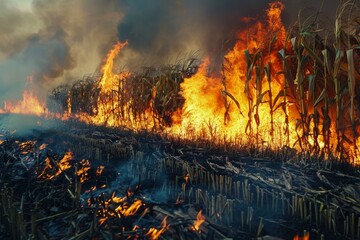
(129, 210)
(63, 165)
(306, 237)
(119, 207)
(27, 147)
(215, 106)
(83, 171)
(43, 146)
(99, 170)
(65, 162)
(108, 104)
(251, 102)
(154, 233)
(29, 104)
(200, 219)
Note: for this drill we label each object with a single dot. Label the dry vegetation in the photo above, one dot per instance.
(321, 72)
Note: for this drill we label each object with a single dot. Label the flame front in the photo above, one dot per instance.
(265, 96)
(215, 106)
(29, 104)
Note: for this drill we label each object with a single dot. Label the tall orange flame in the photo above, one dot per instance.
(214, 107)
(29, 104)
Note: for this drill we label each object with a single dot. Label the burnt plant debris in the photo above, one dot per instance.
(87, 182)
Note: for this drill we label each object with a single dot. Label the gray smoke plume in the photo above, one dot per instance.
(159, 31)
(55, 42)
(60, 41)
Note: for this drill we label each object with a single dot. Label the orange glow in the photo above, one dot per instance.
(244, 104)
(63, 164)
(248, 103)
(129, 210)
(26, 147)
(109, 111)
(124, 208)
(200, 219)
(43, 146)
(210, 112)
(2, 141)
(99, 170)
(306, 237)
(29, 104)
(154, 233)
(83, 171)
(118, 199)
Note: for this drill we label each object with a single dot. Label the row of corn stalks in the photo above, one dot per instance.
(321, 83)
(152, 90)
(321, 72)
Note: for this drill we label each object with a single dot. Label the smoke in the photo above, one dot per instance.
(57, 42)
(160, 31)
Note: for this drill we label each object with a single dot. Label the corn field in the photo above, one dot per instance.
(316, 65)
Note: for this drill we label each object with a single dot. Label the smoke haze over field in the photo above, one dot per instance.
(60, 41)
(54, 41)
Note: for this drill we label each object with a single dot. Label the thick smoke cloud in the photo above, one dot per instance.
(60, 41)
(161, 30)
(53, 41)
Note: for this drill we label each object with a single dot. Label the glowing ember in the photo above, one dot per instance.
(93, 188)
(154, 233)
(43, 146)
(200, 219)
(99, 170)
(123, 208)
(83, 171)
(306, 237)
(63, 164)
(118, 199)
(27, 147)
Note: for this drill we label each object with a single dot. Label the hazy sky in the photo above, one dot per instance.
(21, 4)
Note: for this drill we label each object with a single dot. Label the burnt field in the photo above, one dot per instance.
(75, 181)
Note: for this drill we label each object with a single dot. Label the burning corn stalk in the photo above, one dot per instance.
(297, 88)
